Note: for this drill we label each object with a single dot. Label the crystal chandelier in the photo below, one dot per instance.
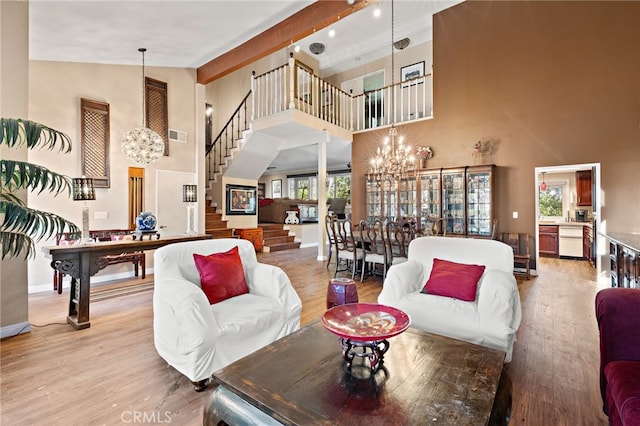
(394, 159)
(142, 145)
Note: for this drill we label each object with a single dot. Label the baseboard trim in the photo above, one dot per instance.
(15, 329)
(66, 282)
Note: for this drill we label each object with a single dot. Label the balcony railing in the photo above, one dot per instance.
(294, 86)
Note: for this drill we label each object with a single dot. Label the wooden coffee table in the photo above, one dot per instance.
(300, 380)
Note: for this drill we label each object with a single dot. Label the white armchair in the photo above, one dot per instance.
(491, 320)
(198, 338)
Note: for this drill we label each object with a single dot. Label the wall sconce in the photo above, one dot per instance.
(190, 196)
(83, 190)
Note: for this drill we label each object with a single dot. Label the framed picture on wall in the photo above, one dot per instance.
(276, 188)
(241, 200)
(412, 71)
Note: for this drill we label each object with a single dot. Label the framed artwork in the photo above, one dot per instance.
(260, 190)
(241, 200)
(276, 188)
(412, 71)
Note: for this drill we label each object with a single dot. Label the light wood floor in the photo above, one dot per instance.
(111, 374)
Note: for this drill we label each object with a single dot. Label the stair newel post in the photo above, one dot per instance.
(253, 98)
(292, 81)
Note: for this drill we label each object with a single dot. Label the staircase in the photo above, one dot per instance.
(214, 225)
(276, 238)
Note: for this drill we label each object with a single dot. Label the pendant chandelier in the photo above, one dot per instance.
(142, 145)
(393, 159)
(543, 187)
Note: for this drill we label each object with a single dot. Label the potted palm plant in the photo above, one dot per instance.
(20, 226)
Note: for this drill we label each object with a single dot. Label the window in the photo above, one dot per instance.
(157, 109)
(305, 187)
(339, 186)
(554, 200)
(95, 141)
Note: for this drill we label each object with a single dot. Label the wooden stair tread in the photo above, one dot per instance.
(274, 233)
(279, 239)
(282, 246)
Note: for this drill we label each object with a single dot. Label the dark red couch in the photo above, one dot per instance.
(618, 316)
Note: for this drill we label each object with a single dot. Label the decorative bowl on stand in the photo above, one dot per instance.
(363, 329)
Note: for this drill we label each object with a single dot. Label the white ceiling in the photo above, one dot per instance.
(191, 33)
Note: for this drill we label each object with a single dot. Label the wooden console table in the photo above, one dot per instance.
(81, 261)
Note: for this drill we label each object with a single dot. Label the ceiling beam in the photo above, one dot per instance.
(301, 24)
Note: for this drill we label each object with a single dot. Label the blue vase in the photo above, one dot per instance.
(146, 221)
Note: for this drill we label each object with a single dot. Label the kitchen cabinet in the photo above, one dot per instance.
(583, 188)
(548, 240)
(587, 243)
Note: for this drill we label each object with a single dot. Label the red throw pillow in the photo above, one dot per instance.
(221, 275)
(451, 279)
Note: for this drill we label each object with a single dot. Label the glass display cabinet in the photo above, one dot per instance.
(453, 200)
(429, 184)
(373, 205)
(463, 197)
(480, 200)
(390, 197)
(407, 197)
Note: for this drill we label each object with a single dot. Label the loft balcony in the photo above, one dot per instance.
(291, 107)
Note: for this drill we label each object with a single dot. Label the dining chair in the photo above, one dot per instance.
(434, 225)
(331, 236)
(347, 252)
(373, 244)
(399, 235)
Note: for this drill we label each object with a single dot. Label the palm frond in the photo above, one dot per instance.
(14, 244)
(16, 131)
(16, 175)
(34, 224)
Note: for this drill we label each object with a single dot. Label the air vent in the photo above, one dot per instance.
(177, 136)
(401, 44)
(316, 48)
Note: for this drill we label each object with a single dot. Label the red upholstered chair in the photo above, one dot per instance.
(618, 316)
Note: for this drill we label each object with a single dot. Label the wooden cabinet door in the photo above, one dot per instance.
(583, 187)
(548, 237)
(586, 242)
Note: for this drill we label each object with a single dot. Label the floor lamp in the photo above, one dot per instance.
(83, 191)
(190, 196)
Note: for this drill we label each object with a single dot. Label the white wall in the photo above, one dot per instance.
(54, 100)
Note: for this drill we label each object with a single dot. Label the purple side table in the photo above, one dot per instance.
(341, 291)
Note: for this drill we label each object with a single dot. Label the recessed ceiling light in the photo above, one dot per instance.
(377, 12)
(297, 48)
(332, 32)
